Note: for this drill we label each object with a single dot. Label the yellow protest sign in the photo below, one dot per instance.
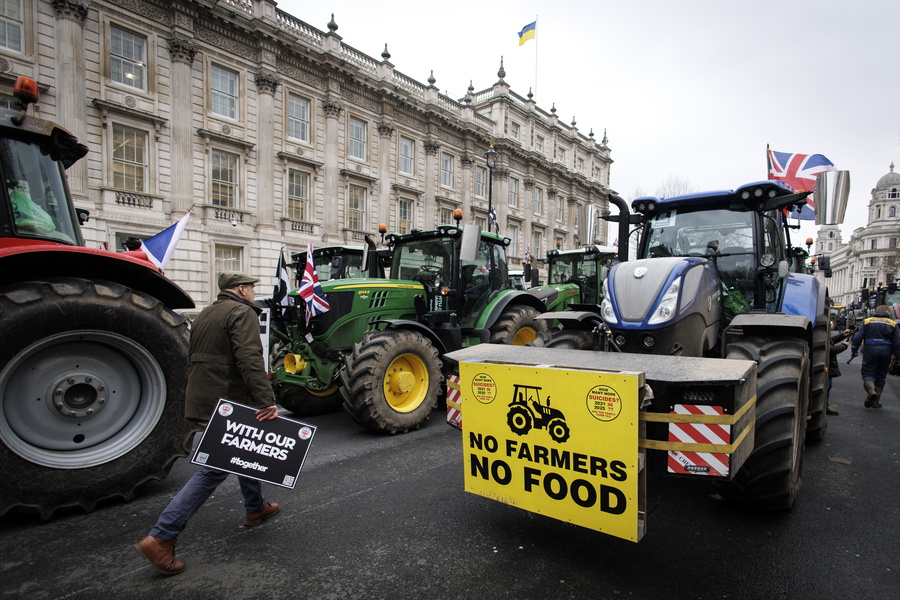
(559, 442)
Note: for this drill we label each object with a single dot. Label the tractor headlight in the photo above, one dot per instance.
(606, 310)
(666, 309)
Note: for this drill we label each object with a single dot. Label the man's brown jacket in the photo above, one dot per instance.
(226, 358)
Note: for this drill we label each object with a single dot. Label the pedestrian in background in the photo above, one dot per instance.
(880, 338)
(226, 361)
(838, 344)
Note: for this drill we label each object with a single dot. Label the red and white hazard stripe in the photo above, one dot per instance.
(699, 463)
(454, 402)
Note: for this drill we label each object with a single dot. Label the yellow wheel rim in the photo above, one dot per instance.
(406, 383)
(523, 336)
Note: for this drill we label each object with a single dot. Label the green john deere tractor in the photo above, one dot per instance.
(378, 349)
(575, 280)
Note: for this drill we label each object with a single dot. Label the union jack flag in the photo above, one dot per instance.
(799, 171)
(311, 290)
(527, 257)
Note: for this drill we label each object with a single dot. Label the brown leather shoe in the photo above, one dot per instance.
(161, 554)
(257, 518)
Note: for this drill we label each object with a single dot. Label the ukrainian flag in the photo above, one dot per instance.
(527, 33)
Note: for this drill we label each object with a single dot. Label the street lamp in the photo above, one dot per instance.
(490, 157)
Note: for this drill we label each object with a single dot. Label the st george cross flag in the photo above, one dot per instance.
(282, 282)
(799, 171)
(311, 290)
(160, 247)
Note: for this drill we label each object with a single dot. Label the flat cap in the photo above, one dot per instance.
(231, 279)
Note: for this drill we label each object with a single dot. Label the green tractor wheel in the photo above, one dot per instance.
(307, 402)
(517, 326)
(571, 339)
(392, 380)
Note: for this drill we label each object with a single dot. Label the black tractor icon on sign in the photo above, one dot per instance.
(527, 411)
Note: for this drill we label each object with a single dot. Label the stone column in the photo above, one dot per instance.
(71, 107)
(182, 53)
(528, 208)
(432, 172)
(385, 149)
(570, 222)
(331, 229)
(267, 85)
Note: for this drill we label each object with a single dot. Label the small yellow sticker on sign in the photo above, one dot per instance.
(558, 442)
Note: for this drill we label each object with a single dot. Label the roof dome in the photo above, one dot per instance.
(890, 180)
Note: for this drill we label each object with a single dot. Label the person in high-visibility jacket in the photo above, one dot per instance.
(879, 337)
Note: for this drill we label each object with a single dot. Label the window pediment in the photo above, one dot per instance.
(106, 107)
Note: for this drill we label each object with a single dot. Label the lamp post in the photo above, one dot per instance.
(490, 157)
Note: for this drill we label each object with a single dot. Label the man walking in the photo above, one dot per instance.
(880, 338)
(226, 361)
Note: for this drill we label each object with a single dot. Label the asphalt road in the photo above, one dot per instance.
(377, 517)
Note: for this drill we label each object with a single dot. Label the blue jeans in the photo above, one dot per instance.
(195, 492)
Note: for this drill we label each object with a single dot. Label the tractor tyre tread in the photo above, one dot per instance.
(513, 322)
(33, 312)
(770, 478)
(363, 380)
(818, 392)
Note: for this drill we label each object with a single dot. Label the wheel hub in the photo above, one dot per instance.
(101, 396)
(402, 382)
(78, 395)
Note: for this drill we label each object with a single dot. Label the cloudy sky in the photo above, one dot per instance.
(693, 89)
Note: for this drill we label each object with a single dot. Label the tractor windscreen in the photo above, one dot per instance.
(699, 233)
(36, 190)
(581, 269)
(344, 265)
(724, 236)
(566, 266)
(428, 260)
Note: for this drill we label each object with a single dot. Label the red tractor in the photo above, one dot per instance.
(93, 358)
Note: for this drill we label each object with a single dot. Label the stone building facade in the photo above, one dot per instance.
(274, 134)
(872, 255)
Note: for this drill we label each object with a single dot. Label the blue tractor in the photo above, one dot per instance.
(717, 277)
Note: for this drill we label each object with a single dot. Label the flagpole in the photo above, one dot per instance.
(536, 40)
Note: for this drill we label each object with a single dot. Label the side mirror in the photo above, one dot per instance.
(471, 238)
(831, 194)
